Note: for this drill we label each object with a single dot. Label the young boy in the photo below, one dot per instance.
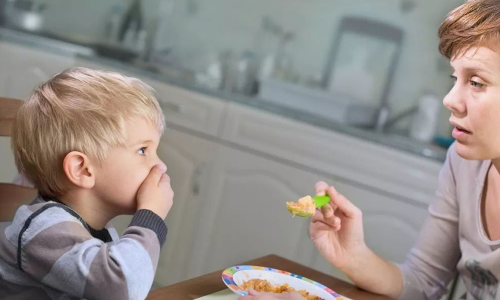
(87, 140)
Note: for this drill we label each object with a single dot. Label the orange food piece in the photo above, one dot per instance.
(264, 286)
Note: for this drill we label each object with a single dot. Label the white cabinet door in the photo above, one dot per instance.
(23, 68)
(403, 175)
(243, 215)
(187, 159)
(392, 188)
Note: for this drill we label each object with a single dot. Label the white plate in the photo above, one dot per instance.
(235, 276)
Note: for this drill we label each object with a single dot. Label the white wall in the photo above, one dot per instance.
(420, 69)
(197, 29)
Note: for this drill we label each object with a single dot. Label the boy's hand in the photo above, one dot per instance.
(155, 193)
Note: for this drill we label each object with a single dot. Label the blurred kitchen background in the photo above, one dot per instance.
(262, 99)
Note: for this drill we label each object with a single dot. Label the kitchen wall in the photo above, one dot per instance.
(196, 30)
(421, 68)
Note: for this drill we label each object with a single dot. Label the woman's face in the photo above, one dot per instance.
(474, 102)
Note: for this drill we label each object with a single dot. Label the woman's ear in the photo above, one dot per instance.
(78, 170)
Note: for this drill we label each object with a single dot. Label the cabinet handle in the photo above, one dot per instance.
(172, 107)
(197, 178)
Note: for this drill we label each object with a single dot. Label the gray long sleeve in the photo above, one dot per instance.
(452, 237)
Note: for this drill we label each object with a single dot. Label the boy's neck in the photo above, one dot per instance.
(92, 210)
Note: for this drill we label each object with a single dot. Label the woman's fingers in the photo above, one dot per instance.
(328, 214)
(345, 206)
(321, 188)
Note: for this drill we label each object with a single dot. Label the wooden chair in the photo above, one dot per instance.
(11, 196)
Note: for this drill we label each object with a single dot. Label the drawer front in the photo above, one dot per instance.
(372, 166)
(189, 109)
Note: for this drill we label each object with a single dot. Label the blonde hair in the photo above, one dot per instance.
(475, 23)
(77, 110)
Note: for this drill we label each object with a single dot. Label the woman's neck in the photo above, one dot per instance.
(496, 164)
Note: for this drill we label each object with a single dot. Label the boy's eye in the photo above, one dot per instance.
(142, 151)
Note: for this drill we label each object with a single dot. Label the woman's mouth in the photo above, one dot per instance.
(460, 133)
(462, 130)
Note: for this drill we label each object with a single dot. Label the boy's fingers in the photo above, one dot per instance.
(164, 178)
(155, 174)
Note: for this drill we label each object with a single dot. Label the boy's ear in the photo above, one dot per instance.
(78, 169)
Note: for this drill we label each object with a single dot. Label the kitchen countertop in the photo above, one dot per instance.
(48, 42)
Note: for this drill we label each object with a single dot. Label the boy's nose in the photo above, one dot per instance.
(162, 166)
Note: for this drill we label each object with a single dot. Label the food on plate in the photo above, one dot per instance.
(305, 207)
(264, 286)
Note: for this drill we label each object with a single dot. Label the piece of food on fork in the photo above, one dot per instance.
(306, 206)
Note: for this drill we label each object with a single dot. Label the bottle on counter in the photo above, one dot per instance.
(424, 122)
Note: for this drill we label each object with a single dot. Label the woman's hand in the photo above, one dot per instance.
(337, 229)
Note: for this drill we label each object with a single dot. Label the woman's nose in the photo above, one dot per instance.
(454, 101)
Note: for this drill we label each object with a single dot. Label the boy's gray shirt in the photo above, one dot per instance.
(453, 238)
(49, 252)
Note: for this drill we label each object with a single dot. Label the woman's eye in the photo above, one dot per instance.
(476, 84)
(142, 151)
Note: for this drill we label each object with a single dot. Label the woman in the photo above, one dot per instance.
(462, 232)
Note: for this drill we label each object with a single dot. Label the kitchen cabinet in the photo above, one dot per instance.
(255, 163)
(243, 213)
(188, 161)
(252, 162)
(393, 189)
(349, 159)
(233, 167)
(23, 68)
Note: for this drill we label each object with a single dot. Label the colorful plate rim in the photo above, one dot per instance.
(227, 277)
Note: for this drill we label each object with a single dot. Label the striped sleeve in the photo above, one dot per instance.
(57, 250)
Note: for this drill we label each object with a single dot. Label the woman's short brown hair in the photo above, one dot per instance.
(475, 23)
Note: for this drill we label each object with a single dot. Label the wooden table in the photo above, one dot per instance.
(211, 283)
